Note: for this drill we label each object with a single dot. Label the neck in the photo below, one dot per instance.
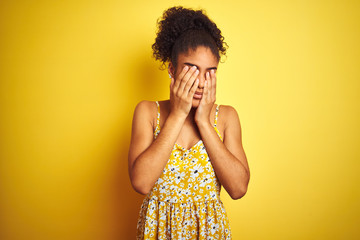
(191, 115)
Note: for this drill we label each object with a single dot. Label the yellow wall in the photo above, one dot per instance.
(72, 72)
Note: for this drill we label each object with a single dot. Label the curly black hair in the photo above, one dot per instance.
(181, 29)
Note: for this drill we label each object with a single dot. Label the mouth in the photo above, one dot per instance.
(198, 95)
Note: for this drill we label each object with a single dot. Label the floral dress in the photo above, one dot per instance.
(185, 201)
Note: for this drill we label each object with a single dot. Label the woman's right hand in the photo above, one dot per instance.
(182, 90)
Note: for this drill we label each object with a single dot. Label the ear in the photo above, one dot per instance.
(171, 69)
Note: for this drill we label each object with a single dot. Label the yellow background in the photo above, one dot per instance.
(71, 73)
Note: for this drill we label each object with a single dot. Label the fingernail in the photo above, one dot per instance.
(193, 67)
(186, 68)
(197, 71)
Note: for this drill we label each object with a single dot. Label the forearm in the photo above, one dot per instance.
(232, 174)
(149, 165)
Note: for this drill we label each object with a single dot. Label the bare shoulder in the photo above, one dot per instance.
(142, 130)
(232, 131)
(146, 110)
(145, 105)
(229, 115)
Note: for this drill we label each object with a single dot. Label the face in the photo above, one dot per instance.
(203, 59)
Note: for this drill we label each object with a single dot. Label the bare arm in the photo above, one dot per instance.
(228, 158)
(148, 157)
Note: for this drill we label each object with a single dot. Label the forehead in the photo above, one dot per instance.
(201, 56)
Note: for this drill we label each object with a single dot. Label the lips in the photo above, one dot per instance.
(198, 95)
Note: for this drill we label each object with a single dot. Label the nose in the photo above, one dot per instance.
(201, 77)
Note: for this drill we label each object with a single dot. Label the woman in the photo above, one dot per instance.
(183, 149)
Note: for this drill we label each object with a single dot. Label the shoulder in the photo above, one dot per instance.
(229, 115)
(145, 106)
(227, 111)
(146, 110)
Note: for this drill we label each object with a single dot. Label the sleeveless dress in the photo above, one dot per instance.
(185, 201)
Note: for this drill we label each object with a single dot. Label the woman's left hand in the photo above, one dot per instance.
(208, 98)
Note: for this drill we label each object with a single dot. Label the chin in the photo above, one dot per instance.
(195, 102)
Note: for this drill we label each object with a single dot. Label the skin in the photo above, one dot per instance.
(184, 120)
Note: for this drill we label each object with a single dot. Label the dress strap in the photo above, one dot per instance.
(157, 129)
(216, 115)
(215, 122)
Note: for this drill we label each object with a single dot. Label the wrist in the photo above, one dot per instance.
(177, 117)
(203, 123)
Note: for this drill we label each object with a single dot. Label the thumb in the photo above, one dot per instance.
(172, 82)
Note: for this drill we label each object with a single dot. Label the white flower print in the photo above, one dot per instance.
(174, 169)
(196, 170)
(179, 176)
(187, 192)
(159, 181)
(203, 151)
(213, 228)
(163, 189)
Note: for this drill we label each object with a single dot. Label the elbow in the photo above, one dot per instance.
(138, 183)
(240, 190)
(235, 195)
(142, 191)
(140, 187)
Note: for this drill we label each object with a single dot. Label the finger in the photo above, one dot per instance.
(172, 83)
(212, 76)
(193, 88)
(184, 71)
(213, 83)
(190, 82)
(189, 76)
(186, 78)
(207, 76)
(178, 79)
(207, 85)
(206, 89)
